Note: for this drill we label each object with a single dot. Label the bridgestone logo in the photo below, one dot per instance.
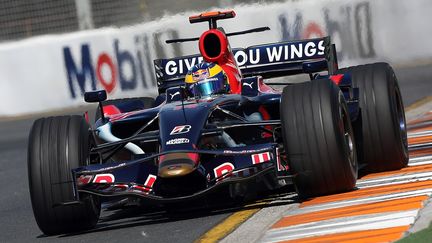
(181, 129)
(177, 141)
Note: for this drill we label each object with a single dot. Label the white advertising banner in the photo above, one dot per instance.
(52, 72)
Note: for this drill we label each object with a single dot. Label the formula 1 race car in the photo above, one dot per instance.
(185, 146)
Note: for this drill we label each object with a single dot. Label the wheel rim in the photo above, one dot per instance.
(348, 137)
(401, 119)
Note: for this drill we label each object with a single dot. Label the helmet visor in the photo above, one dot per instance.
(208, 87)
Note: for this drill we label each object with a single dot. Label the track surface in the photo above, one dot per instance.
(382, 209)
(16, 216)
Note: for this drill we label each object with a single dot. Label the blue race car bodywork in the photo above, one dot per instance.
(181, 147)
(184, 147)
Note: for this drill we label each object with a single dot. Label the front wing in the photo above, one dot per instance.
(137, 177)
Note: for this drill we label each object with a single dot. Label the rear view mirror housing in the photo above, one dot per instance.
(314, 66)
(95, 96)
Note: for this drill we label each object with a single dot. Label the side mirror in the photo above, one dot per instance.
(95, 96)
(314, 66)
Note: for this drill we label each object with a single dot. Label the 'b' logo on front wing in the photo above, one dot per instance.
(181, 129)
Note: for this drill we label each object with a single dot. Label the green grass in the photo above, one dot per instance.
(419, 237)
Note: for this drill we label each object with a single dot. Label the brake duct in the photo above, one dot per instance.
(105, 133)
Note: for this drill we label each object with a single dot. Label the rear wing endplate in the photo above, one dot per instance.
(269, 61)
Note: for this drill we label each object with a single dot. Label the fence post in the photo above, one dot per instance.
(84, 14)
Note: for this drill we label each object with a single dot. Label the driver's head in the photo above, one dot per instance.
(205, 79)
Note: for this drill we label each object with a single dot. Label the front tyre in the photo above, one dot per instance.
(57, 145)
(318, 138)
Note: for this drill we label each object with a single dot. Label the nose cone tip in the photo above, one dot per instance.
(176, 165)
(175, 170)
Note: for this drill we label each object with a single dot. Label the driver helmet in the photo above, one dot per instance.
(206, 79)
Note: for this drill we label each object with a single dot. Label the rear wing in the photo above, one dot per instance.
(269, 61)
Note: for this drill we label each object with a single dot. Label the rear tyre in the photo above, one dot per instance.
(57, 145)
(127, 104)
(384, 144)
(318, 138)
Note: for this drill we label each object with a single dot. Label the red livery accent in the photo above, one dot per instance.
(260, 158)
(280, 167)
(265, 116)
(140, 188)
(194, 157)
(104, 178)
(148, 185)
(337, 78)
(84, 180)
(110, 110)
(149, 182)
(264, 87)
(86, 117)
(223, 170)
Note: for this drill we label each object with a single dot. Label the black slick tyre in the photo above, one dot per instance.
(318, 138)
(57, 145)
(383, 137)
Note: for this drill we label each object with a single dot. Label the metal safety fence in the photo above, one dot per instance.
(21, 19)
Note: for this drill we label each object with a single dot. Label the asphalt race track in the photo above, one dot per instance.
(17, 223)
(384, 206)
